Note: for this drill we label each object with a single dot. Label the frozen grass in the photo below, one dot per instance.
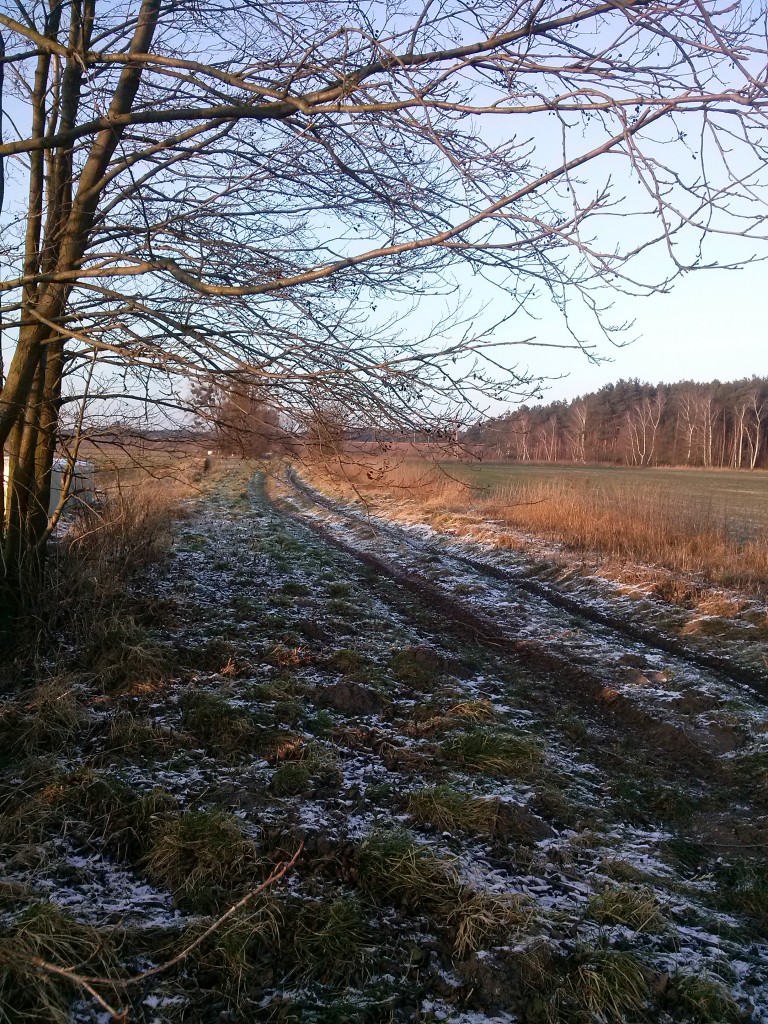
(231, 955)
(493, 752)
(132, 737)
(743, 889)
(603, 986)
(647, 516)
(224, 730)
(394, 867)
(704, 1000)
(383, 919)
(47, 719)
(202, 857)
(448, 809)
(480, 919)
(636, 908)
(97, 806)
(333, 940)
(120, 816)
(45, 932)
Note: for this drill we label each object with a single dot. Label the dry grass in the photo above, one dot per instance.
(635, 908)
(479, 918)
(104, 543)
(46, 719)
(626, 526)
(605, 986)
(447, 810)
(46, 932)
(615, 521)
(202, 857)
(495, 753)
(395, 867)
(706, 1000)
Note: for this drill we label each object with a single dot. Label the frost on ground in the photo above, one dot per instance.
(488, 835)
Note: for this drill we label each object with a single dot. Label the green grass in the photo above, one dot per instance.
(493, 752)
(223, 729)
(231, 954)
(333, 940)
(202, 857)
(291, 778)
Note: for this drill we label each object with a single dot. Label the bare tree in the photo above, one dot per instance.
(757, 409)
(241, 419)
(233, 189)
(576, 430)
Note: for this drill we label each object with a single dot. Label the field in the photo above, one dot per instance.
(736, 499)
(274, 760)
(675, 532)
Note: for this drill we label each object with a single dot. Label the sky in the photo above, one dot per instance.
(713, 325)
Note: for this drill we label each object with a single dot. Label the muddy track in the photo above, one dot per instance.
(572, 682)
(652, 638)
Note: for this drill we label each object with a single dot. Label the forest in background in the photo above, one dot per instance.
(639, 424)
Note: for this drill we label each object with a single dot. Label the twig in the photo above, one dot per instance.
(118, 1016)
(276, 875)
(121, 1016)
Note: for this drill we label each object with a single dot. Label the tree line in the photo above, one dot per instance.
(635, 423)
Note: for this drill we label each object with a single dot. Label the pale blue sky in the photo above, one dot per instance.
(714, 324)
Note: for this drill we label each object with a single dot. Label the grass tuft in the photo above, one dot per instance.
(419, 667)
(232, 952)
(46, 932)
(478, 918)
(47, 720)
(202, 857)
(632, 907)
(223, 730)
(333, 940)
(394, 867)
(473, 711)
(495, 753)
(703, 1000)
(291, 778)
(448, 810)
(606, 986)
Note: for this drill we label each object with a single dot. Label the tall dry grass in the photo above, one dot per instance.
(131, 523)
(83, 603)
(613, 522)
(624, 526)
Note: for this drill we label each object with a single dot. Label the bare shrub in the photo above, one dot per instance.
(132, 525)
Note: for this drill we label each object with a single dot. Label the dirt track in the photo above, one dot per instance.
(495, 802)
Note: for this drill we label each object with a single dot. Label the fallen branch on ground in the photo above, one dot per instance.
(120, 1016)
